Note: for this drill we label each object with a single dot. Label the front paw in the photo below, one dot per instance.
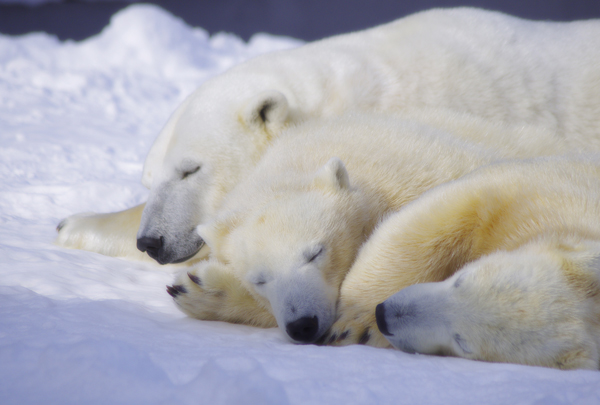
(111, 234)
(355, 326)
(211, 291)
(72, 230)
(195, 297)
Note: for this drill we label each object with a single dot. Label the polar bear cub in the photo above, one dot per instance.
(291, 229)
(523, 239)
(472, 61)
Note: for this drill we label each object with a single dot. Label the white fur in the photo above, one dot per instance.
(472, 61)
(322, 188)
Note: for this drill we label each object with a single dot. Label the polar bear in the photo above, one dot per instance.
(467, 60)
(290, 231)
(501, 265)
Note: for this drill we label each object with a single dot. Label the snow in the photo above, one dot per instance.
(76, 121)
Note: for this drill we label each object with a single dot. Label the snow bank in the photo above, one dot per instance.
(76, 121)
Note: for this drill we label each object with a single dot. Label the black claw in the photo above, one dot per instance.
(180, 288)
(332, 339)
(172, 292)
(321, 340)
(60, 225)
(364, 338)
(195, 279)
(175, 290)
(344, 335)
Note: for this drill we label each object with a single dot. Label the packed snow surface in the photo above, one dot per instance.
(76, 121)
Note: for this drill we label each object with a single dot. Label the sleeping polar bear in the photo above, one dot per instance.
(471, 61)
(523, 241)
(286, 236)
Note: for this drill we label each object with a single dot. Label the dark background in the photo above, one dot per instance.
(304, 19)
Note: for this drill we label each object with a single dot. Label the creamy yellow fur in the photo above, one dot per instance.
(112, 234)
(282, 205)
(517, 213)
(218, 295)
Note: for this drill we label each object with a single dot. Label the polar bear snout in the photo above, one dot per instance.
(157, 248)
(417, 319)
(304, 309)
(303, 330)
(150, 245)
(380, 318)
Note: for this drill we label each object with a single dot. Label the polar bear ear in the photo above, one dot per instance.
(333, 175)
(268, 109)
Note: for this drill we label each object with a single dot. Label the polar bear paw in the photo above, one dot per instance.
(111, 234)
(211, 291)
(196, 296)
(70, 226)
(83, 231)
(355, 326)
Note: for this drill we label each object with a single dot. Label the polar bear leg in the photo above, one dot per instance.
(412, 246)
(112, 234)
(426, 241)
(464, 221)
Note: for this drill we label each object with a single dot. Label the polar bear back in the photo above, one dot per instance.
(485, 63)
(387, 157)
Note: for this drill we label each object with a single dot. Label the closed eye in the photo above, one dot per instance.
(312, 254)
(259, 282)
(189, 172)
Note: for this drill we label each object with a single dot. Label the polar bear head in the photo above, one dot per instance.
(534, 306)
(209, 143)
(293, 252)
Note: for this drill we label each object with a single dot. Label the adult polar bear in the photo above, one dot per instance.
(525, 239)
(467, 60)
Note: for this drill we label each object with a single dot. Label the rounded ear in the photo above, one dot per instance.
(333, 175)
(268, 109)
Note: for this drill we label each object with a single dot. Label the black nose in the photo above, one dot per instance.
(381, 323)
(304, 329)
(150, 245)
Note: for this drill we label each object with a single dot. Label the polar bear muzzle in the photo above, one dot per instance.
(155, 248)
(303, 330)
(167, 230)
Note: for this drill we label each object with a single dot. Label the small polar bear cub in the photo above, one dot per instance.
(483, 63)
(529, 292)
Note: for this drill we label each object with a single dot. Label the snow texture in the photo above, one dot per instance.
(76, 121)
